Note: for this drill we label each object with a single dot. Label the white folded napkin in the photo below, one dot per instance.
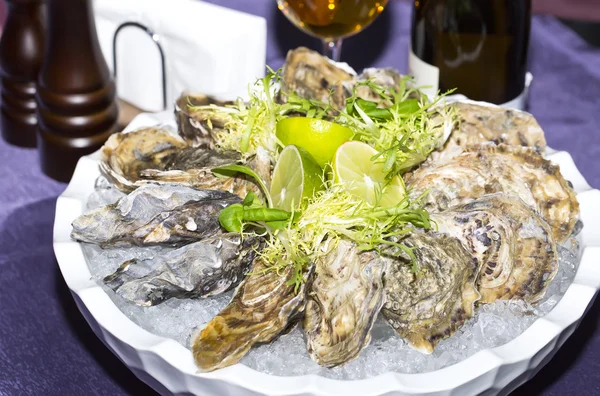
(208, 49)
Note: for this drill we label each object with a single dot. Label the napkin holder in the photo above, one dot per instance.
(158, 49)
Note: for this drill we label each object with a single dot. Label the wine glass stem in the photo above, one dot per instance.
(332, 49)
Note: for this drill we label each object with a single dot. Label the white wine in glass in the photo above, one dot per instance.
(332, 20)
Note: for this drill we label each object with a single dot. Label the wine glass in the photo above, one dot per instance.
(331, 20)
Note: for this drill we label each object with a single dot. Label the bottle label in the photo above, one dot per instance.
(426, 76)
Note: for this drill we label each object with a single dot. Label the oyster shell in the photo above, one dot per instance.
(343, 303)
(197, 172)
(132, 159)
(263, 307)
(430, 305)
(486, 169)
(482, 124)
(124, 155)
(201, 269)
(513, 244)
(197, 126)
(313, 76)
(154, 214)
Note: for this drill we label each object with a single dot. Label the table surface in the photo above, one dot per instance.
(46, 347)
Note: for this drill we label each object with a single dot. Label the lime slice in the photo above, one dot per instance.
(319, 137)
(365, 178)
(296, 176)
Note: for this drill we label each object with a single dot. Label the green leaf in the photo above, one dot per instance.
(278, 225)
(232, 169)
(389, 161)
(265, 214)
(407, 107)
(249, 199)
(231, 218)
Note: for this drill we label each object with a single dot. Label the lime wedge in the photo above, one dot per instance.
(296, 176)
(363, 177)
(319, 137)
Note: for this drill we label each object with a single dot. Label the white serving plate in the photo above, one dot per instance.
(169, 368)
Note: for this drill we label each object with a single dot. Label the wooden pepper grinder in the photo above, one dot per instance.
(21, 50)
(77, 110)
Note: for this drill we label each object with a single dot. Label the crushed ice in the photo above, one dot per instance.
(493, 325)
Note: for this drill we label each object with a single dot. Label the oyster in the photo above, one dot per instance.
(198, 165)
(130, 160)
(513, 244)
(482, 124)
(487, 169)
(311, 75)
(124, 155)
(263, 307)
(431, 304)
(197, 126)
(154, 214)
(201, 269)
(343, 303)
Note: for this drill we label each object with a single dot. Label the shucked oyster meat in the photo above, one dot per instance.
(513, 244)
(124, 155)
(263, 307)
(197, 172)
(343, 303)
(201, 269)
(429, 305)
(154, 214)
(482, 124)
(132, 159)
(487, 169)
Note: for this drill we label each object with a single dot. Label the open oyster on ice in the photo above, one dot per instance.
(486, 169)
(132, 159)
(169, 214)
(201, 269)
(124, 155)
(513, 244)
(343, 303)
(263, 307)
(429, 305)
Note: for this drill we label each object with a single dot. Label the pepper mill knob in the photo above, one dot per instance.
(21, 49)
(77, 110)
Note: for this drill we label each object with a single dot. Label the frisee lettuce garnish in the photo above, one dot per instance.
(400, 123)
(333, 214)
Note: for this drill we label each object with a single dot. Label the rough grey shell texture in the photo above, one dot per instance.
(486, 169)
(481, 124)
(264, 306)
(429, 305)
(169, 214)
(200, 269)
(343, 303)
(513, 244)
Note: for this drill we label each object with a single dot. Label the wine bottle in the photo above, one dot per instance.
(478, 47)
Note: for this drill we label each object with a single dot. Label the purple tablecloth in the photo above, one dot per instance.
(46, 347)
